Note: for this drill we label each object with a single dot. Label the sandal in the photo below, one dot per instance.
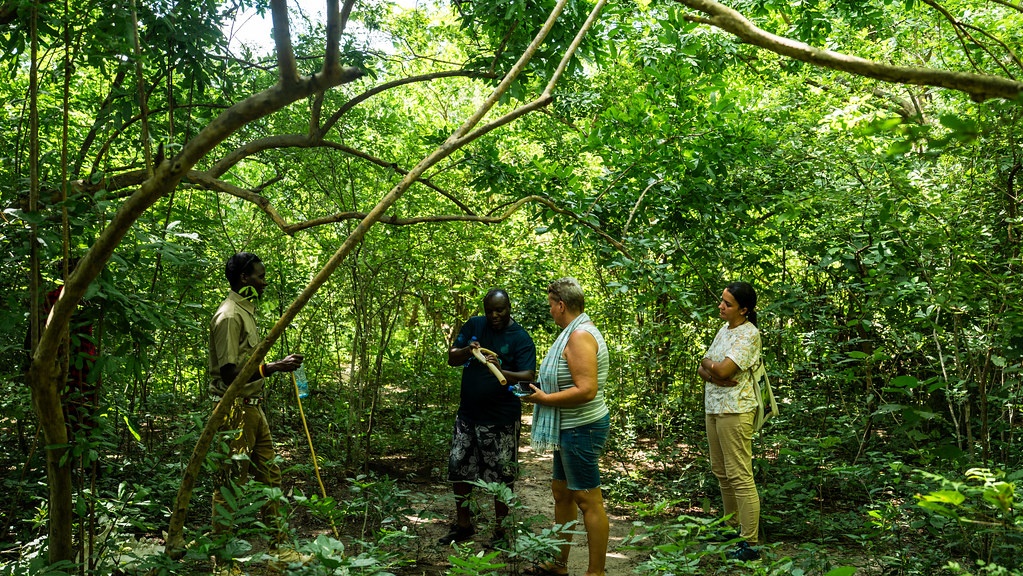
(457, 534)
(547, 569)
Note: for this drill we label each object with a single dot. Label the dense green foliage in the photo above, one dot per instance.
(879, 222)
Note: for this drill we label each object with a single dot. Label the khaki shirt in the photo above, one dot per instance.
(233, 335)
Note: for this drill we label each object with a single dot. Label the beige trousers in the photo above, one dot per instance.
(731, 459)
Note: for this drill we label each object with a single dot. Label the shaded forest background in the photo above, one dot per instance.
(878, 217)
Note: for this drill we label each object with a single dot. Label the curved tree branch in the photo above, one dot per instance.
(392, 166)
(317, 132)
(265, 205)
(980, 87)
(126, 180)
(1008, 49)
(400, 82)
(291, 229)
(1017, 6)
(208, 182)
(963, 35)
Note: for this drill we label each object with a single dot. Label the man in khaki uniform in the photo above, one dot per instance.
(233, 335)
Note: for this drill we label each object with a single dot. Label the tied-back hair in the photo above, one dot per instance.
(746, 297)
(569, 291)
(240, 263)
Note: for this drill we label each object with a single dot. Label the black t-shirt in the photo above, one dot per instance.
(484, 400)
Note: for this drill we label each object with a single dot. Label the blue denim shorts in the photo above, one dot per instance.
(576, 461)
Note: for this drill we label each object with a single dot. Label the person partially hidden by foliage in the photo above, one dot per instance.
(233, 335)
(572, 419)
(80, 394)
(729, 403)
(485, 441)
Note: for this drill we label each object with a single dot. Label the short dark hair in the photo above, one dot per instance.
(746, 297)
(496, 293)
(240, 263)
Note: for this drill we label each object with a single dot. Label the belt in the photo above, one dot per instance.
(245, 401)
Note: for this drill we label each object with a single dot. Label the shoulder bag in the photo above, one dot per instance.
(766, 404)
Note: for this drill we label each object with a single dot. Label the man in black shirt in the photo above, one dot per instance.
(486, 437)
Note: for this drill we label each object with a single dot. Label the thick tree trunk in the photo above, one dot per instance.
(46, 402)
(44, 376)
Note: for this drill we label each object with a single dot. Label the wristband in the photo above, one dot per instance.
(261, 374)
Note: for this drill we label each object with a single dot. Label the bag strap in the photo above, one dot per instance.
(762, 385)
(771, 402)
(758, 416)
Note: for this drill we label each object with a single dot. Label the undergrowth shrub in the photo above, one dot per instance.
(978, 515)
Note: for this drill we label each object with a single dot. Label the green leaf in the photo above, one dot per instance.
(952, 497)
(962, 128)
(889, 408)
(134, 433)
(904, 381)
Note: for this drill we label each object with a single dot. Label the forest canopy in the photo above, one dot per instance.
(858, 162)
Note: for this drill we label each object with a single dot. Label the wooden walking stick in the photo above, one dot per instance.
(312, 449)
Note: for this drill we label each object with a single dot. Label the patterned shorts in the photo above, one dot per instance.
(488, 452)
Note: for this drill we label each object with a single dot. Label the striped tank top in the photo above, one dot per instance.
(594, 409)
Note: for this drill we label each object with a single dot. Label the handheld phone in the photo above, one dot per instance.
(522, 388)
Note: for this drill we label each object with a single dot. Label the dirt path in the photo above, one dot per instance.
(533, 491)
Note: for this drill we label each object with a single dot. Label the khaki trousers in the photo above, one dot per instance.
(731, 459)
(253, 440)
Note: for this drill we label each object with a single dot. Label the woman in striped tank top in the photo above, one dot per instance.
(572, 419)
